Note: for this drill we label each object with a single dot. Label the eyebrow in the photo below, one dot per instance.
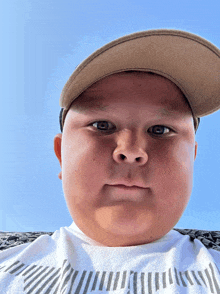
(160, 114)
(89, 103)
(167, 112)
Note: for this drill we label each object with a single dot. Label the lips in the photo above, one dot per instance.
(128, 188)
(123, 183)
(121, 192)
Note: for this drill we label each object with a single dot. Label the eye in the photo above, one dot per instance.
(103, 126)
(159, 130)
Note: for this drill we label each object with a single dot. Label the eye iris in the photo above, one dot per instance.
(158, 129)
(103, 125)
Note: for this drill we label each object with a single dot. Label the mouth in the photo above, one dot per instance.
(127, 184)
(128, 188)
(120, 192)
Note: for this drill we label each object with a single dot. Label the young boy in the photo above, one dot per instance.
(127, 149)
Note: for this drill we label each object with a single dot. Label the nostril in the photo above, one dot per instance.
(122, 156)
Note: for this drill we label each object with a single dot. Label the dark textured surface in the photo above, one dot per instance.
(211, 239)
(12, 239)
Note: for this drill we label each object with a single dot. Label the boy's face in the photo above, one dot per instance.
(127, 154)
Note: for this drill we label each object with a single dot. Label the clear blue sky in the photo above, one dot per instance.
(41, 44)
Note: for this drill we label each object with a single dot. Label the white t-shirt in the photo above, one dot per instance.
(70, 262)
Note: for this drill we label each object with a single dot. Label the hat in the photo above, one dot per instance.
(189, 61)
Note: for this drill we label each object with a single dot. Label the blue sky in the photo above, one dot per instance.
(41, 44)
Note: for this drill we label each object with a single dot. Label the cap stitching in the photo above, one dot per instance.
(116, 42)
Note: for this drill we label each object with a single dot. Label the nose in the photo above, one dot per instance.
(131, 148)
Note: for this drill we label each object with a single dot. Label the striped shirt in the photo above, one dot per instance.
(70, 262)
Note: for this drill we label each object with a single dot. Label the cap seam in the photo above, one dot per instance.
(137, 37)
(162, 36)
(115, 43)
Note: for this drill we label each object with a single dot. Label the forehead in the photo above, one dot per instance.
(132, 85)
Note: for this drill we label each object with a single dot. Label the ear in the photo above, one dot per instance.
(196, 146)
(57, 150)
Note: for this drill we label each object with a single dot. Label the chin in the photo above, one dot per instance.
(128, 229)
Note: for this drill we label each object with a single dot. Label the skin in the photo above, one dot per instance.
(127, 148)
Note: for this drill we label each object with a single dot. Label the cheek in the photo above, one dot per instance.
(85, 164)
(175, 172)
(172, 180)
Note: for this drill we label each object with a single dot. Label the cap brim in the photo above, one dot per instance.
(188, 60)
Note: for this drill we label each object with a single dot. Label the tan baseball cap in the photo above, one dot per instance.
(188, 60)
